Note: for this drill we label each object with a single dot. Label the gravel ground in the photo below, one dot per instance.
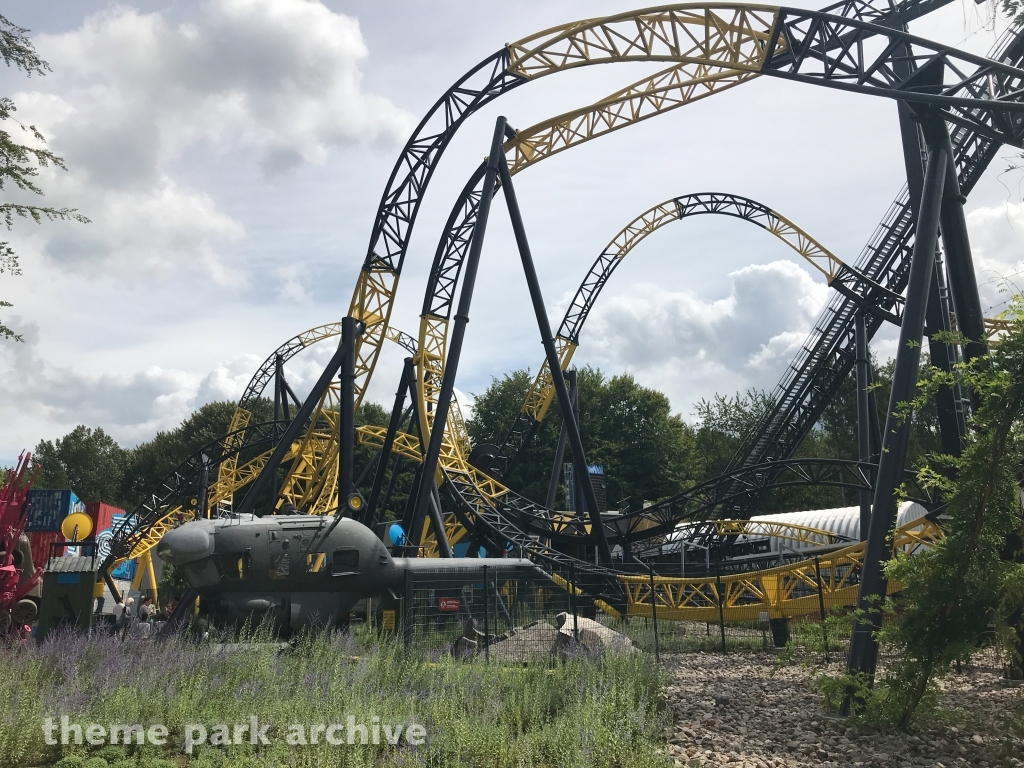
(745, 710)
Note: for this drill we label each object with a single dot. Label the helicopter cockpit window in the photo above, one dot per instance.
(345, 561)
(315, 561)
(202, 573)
(280, 566)
(233, 565)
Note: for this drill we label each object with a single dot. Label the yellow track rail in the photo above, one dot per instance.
(786, 591)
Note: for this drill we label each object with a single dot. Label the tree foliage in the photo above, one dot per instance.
(975, 575)
(88, 461)
(151, 461)
(20, 163)
(1014, 9)
(96, 468)
(647, 452)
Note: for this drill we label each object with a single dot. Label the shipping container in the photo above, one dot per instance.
(40, 542)
(48, 508)
(102, 515)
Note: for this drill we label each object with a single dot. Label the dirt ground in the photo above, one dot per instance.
(746, 710)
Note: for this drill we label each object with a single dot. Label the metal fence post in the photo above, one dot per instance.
(574, 603)
(654, 616)
(487, 626)
(407, 611)
(721, 603)
(821, 606)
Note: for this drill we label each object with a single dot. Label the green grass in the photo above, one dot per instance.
(583, 712)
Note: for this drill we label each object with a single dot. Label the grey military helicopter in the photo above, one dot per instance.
(305, 570)
(298, 570)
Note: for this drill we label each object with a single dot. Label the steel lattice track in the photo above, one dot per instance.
(814, 377)
(411, 175)
(827, 356)
(522, 517)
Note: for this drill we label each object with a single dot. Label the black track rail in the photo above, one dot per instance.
(827, 356)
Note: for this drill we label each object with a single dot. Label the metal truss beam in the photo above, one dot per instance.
(848, 280)
(784, 592)
(709, 47)
(826, 357)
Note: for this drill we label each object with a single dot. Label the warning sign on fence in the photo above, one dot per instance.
(388, 619)
(448, 604)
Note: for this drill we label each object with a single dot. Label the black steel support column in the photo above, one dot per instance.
(390, 490)
(863, 645)
(429, 465)
(876, 427)
(346, 414)
(437, 521)
(404, 386)
(291, 433)
(554, 365)
(556, 466)
(942, 354)
(202, 498)
(279, 392)
(863, 417)
(963, 283)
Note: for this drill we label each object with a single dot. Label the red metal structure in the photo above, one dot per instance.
(18, 575)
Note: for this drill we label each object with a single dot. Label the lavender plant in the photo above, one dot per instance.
(474, 714)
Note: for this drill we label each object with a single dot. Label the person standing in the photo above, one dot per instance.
(126, 618)
(146, 609)
(146, 613)
(118, 613)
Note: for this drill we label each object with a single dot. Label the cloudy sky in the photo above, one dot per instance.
(231, 155)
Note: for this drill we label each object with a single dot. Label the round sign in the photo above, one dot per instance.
(76, 526)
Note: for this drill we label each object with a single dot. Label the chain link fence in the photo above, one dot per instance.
(524, 619)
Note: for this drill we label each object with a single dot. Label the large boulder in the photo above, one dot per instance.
(592, 635)
(524, 644)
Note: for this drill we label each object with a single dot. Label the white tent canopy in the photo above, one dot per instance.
(841, 521)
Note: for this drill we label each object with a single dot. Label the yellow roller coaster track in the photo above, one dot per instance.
(314, 445)
(542, 392)
(710, 48)
(787, 591)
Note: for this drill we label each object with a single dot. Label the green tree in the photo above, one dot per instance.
(88, 461)
(975, 574)
(725, 424)
(1014, 9)
(151, 461)
(91, 464)
(722, 425)
(20, 163)
(647, 451)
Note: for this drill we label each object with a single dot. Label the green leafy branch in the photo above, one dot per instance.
(17, 50)
(20, 163)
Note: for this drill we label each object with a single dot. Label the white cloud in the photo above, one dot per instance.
(997, 233)
(691, 348)
(129, 406)
(272, 82)
(227, 381)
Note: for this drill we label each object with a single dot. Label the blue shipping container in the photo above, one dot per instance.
(47, 509)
